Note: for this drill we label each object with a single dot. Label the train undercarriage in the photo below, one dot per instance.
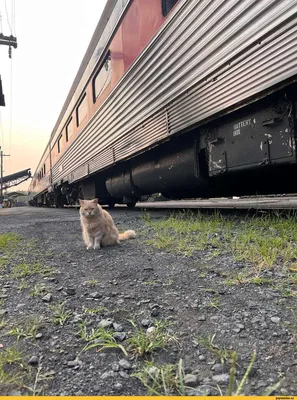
(251, 150)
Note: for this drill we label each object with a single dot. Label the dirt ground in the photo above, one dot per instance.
(55, 295)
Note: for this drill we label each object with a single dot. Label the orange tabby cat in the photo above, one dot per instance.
(97, 226)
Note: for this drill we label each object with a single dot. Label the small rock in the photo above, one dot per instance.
(124, 364)
(275, 320)
(47, 298)
(38, 335)
(107, 374)
(79, 393)
(115, 367)
(201, 318)
(33, 360)
(191, 380)
(252, 304)
(201, 358)
(118, 386)
(146, 322)
(70, 291)
(155, 312)
(120, 336)
(60, 288)
(150, 330)
(73, 363)
(124, 374)
(95, 295)
(214, 318)
(199, 391)
(292, 340)
(223, 378)
(117, 327)
(217, 368)
(105, 323)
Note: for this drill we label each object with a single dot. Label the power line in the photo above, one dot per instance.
(7, 17)
(13, 17)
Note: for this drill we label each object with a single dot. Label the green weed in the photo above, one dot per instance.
(60, 315)
(100, 338)
(223, 354)
(141, 342)
(162, 380)
(28, 329)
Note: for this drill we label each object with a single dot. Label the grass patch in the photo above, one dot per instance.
(262, 242)
(100, 338)
(60, 315)
(168, 380)
(3, 323)
(143, 342)
(93, 311)
(13, 369)
(37, 290)
(23, 285)
(29, 328)
(23, 270)
(223, 354)
(8, 240)
(91, 283)
(162, 380)
(258, 240)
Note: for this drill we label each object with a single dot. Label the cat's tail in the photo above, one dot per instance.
(127, 235)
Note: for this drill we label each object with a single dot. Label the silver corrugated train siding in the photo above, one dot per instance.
(208, 56)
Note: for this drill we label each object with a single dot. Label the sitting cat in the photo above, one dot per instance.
(97, 226)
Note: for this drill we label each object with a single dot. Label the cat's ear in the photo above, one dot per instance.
(81, 202)
(95, 201)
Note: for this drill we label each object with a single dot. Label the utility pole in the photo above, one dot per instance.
(1, 174)
(10, 41)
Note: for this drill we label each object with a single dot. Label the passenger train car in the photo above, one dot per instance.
(188, 98)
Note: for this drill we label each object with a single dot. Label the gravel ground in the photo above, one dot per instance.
(70, 288)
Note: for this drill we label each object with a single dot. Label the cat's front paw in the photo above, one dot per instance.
(97, 247)
(89, 247)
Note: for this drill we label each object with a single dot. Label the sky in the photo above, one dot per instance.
(52, 37)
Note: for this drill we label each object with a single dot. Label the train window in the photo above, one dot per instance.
(69, 130)
(167, 6)
(44, 169)
(81, 111)
(59, 144)
(103, 77)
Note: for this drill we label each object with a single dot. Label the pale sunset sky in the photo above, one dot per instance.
(52, 37)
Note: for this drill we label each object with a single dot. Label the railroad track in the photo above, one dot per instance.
(253, 203)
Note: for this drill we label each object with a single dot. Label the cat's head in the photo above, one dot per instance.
(89, 208)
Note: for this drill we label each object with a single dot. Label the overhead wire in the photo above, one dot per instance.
(7, 17)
